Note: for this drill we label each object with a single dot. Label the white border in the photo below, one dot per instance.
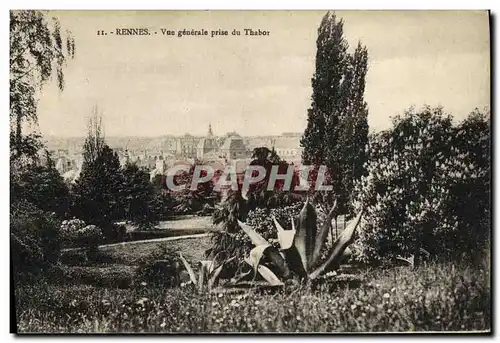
(145, 4)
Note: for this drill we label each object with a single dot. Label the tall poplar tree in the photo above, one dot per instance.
(353, 127)
(337, 128)
(331, 56)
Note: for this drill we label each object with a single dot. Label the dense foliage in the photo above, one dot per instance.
(38, 196)
(42, 186)
(160, 268)
(139, 201)
(98, 190)
(187, 200)
(427, 187)
(34, 237)
(75, 232)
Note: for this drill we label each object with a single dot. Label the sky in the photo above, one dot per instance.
(258, 85)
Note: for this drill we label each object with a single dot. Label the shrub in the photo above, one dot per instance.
(467, 177)
(421, 174)
(76, 232)
(160, 268)
(44, 187)
(35, 240)
(114, 232)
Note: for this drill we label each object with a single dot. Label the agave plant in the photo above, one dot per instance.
(301, 247)
(300, 253)
(209, 272)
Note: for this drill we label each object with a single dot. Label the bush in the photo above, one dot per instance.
(468, 180)
(44, 187)
(160, 268)
(422, 175)
(76, 232)
(114, 232)
(35, 240)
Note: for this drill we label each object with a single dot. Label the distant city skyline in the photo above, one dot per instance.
(258, 86)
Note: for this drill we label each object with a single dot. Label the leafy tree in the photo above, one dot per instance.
(37, 51)
(427, 187)
(162, 202)
(98, 190)
(331, 60)
(337, 128)
(353, 128)
(44, 187)
(469, 184)
(264, 155)
(138, 195)
(94, 142)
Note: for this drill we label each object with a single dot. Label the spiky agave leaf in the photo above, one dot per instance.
(277, 260)
(269, 276)
(190, 271)
(323, 233)
(263, 246)
(209, 266)
(285, 237)
(339, 246)
(256, 255)
(215, 273)
(266, 273)
(252, 234)
(207, 270)
(306, 235)
(239, 277)
(410, 260)
(289, 252)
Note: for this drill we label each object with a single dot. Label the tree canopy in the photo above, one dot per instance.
(38, 51)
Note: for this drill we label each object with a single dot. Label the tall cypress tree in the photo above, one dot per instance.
(337, 128)
(354, 125)
(330, 63)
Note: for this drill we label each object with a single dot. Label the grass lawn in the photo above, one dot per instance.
(434, 297)
(130, 254)
(191, 248)
(187, 222)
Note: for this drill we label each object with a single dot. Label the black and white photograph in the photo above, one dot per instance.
(250, 171)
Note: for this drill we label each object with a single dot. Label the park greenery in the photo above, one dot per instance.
(414, 199)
